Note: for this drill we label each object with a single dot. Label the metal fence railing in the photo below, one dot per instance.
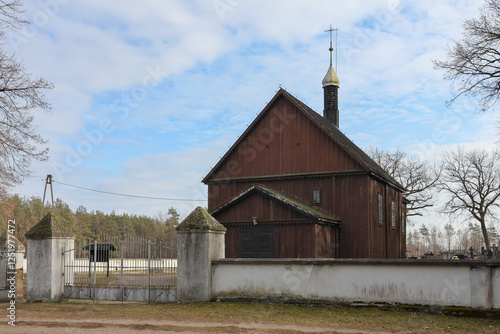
(118, 262)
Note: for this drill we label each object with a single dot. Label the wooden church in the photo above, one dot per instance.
(294, 186)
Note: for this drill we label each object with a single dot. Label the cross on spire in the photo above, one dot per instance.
(331, 47)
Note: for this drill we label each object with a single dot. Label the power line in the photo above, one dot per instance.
(128, 195)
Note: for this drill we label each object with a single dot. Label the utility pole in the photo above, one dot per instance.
(48, 181)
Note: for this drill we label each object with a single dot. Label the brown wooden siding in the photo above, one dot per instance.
(284, 141)
(308, 240)
(295, 234)
(300, 188)
(354, 199)
(327, 243)
(351, 201)
(232, 241)
(403, 229)
(260, 206)
(295, 241)
(386, 240)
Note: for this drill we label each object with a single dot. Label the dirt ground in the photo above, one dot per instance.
(59, 326)
(30, 321)
(114, 317)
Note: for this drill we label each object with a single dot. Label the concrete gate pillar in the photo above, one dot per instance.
(11, 266)
(47, 242)
(200, 239)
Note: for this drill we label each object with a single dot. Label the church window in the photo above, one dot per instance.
(403, 222)
(380, 209)
(316, 196)
(393, 215)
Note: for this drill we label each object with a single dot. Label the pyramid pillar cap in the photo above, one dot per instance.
(200, 220)
(50, 227)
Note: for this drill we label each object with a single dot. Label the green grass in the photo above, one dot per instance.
(231, 314)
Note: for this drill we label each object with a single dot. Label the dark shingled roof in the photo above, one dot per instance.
(331, 130)
(285, 199)
(49, 227)
(344, 141)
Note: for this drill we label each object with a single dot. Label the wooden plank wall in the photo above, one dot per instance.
(300, 188)
(352, 205)
(306, 240)
(353, 198)
(295, 235)
(327, 245)
(262, 207)
(284, 141)
(386, 241)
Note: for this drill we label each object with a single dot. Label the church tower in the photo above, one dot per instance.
(331, 91)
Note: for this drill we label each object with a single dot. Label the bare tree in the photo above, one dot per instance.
(449, 231)
(418, 177)
(20, 95)
(435, 236)
(426, 239)
(473, 64)
(493, 234)
(471, 180)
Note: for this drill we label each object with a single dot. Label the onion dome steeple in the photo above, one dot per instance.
(331, 78)
(330, 90)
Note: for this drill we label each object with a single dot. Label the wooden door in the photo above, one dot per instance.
(256, 241)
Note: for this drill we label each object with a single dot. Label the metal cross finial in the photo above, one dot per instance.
(331, 47)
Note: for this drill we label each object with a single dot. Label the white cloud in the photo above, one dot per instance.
(216, 65)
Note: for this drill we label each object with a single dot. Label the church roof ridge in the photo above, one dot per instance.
(337, 135)
(345, 142)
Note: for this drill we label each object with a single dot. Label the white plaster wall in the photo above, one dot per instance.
(20, 259)
(405, 284)
(495, 278)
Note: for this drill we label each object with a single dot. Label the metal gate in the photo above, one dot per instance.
(130, 269)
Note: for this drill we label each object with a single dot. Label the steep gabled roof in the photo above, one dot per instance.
(331, 130)
(284, 199)
(345, 142)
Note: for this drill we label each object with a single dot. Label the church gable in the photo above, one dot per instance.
(319, 195)
(268, 205)
(257, 205)
(283, 140)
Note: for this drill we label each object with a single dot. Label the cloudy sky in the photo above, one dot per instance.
(149, 94)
